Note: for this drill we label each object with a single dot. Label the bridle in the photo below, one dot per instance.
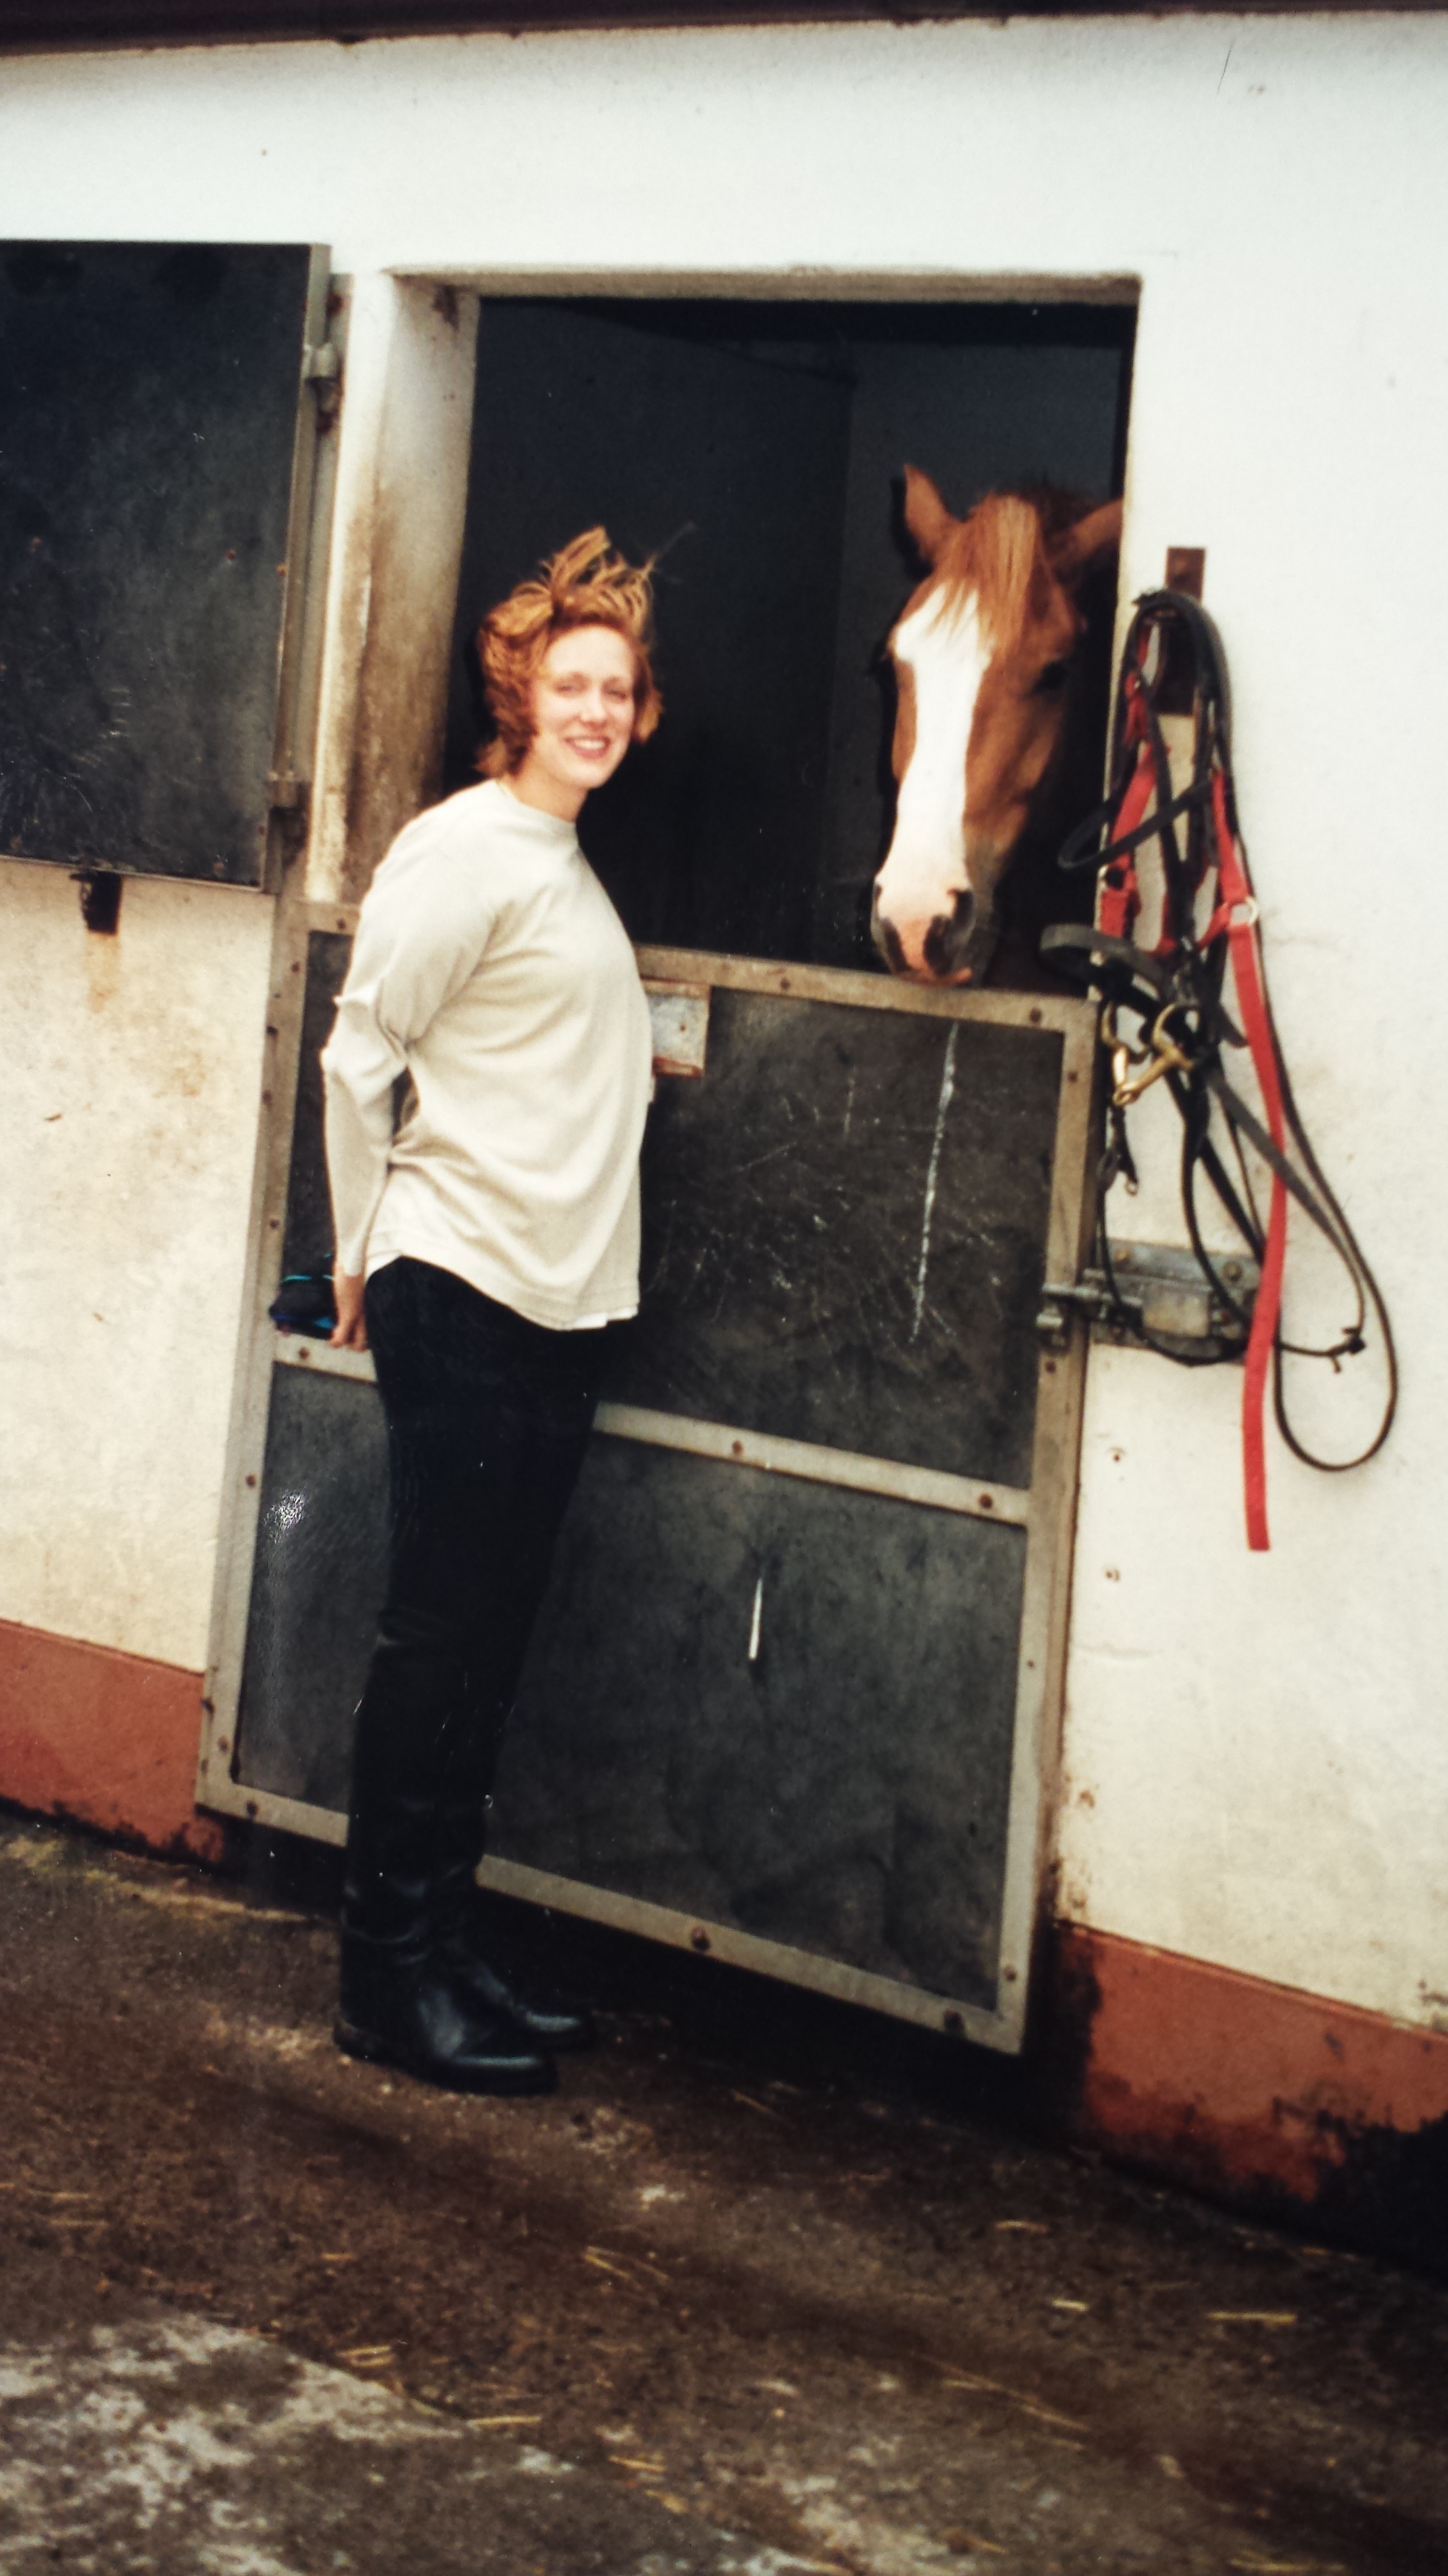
(1174, 992)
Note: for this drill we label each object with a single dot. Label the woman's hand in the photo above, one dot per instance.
(351, 1327)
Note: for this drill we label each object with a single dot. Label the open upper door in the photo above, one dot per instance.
(159, 414)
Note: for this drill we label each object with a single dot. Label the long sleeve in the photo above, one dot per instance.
(423, 930)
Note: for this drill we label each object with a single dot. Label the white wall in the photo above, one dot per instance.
(1257, 1753)
(132, 1073)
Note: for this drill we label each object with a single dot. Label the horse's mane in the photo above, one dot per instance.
(999, 555)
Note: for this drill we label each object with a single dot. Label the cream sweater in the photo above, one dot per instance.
(491, 968)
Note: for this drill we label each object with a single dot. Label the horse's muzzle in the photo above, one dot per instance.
(943, 955)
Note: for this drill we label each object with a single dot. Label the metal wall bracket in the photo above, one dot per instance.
(679, 1019)
(1161, 1295)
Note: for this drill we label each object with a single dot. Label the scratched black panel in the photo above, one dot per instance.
(148, 399)
(308, 1244)
(845, 1790)
(790, 1283)
(845, 1231)
(317, 1585)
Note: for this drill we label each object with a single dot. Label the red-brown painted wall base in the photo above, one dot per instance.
(1276, 2100)
(105, 1739)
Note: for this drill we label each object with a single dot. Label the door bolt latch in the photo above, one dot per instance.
(1156, 1292)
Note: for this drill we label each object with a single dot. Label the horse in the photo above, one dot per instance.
(993, 675)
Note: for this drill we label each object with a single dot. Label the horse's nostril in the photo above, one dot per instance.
(949, 935)
(887, 940)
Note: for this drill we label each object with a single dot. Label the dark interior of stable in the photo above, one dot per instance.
(758, 450)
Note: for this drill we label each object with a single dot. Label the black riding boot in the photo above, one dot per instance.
(464, 1944)
(401, 2003)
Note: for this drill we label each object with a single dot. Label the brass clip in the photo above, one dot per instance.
(1165, 1057)
(1123, 1057)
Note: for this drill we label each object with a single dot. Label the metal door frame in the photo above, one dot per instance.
(1045, 1509)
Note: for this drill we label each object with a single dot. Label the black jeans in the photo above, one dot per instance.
(488, 1417)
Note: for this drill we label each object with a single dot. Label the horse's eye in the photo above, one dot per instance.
(1052, 678)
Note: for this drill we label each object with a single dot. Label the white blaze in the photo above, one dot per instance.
(926, 862)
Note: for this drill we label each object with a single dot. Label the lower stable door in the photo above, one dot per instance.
(792, 1697)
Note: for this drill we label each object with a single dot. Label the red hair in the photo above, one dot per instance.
(584, 584)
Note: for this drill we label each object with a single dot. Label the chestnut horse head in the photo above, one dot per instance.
(983, 659)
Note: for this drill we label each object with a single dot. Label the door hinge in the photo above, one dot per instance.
(321, 362)
(286, 793)
(1161, 1294)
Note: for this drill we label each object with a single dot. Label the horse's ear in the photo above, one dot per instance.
(926, 515)
(1089, 541)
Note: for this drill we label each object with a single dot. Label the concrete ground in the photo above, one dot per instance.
(758, 2290)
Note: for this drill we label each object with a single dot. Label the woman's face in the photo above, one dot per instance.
(583, 715)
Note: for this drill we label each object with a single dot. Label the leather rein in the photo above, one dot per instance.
(1174, 992)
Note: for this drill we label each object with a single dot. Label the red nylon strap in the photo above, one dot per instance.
(1235, 897)
(1121, 894)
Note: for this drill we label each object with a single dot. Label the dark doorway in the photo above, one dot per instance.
(759, 448)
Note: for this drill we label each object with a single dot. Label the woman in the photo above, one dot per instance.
(486, 1247)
